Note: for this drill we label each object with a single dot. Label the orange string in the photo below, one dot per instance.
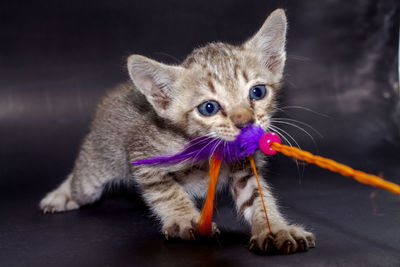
(204, 225)
(253, 166)
(334, 166)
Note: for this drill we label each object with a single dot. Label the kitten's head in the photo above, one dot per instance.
(219, 88)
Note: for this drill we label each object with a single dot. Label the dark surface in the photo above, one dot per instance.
(57, 58)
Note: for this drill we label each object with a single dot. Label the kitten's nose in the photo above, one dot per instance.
(242, 117)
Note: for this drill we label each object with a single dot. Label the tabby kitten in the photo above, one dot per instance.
(216, 91)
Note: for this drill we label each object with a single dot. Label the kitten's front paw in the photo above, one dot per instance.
(286, 240)
(184, 228)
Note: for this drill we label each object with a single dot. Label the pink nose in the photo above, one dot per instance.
(243, 124)
(242, 117)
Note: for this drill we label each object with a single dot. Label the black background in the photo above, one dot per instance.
(57, 58)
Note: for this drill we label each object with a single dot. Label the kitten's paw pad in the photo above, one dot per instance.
(56, 202)
(287, 240)
(184, 228)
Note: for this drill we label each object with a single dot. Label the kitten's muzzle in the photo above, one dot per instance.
(242, 117)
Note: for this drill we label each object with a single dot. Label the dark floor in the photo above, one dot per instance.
(355, 226)
(57, 58)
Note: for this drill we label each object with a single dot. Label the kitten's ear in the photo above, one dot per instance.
(155, 80)
(269, 42)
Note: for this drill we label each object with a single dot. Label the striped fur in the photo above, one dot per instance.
(156, 114)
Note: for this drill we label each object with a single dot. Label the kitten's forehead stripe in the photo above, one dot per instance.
(226, 65)
(245, 76)
(211, 85)
(235, 70)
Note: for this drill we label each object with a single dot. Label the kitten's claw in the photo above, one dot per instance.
(192, 236)
(215, 230)
(252, 244)
(45, 210)
(302, 245)
(311, 241)
(288, 240)
(262, 243)
(287, 247)
(166, 234)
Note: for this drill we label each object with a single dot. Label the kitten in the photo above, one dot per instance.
(216, 91)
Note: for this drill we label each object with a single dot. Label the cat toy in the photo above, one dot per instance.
(251, 139)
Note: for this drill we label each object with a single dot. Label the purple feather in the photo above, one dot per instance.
(245, 144)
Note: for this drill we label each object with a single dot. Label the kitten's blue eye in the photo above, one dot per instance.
(209, 108)
(257, 92)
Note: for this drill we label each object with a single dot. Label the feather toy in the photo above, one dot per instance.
(246, 143)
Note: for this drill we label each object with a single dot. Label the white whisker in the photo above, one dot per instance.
(300, 128)
(280, 131)
(302, 123)
(210, 142)
(303, 108)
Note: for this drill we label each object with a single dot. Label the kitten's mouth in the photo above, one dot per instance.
(234, 136)
(229, 137)
(244, 145)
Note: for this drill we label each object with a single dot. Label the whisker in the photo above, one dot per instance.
(279, 131)
(304, 108)
(273, 129)
(291, 83)
(215, 148)
(303, 123)
(285, 132)
(300, 58)
(226, 149)
(300, 128)
(198, 142)
(210, 142)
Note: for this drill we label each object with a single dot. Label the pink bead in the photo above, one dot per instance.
(265, 143)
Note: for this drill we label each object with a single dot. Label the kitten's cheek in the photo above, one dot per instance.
(263, 124)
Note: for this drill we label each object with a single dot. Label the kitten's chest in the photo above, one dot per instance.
(195, 178)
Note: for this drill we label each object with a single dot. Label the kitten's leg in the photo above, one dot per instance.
(83, 186)
(75, 191)
(171, 203)
(285, 238)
